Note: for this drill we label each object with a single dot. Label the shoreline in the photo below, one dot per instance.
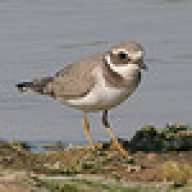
(151, 163)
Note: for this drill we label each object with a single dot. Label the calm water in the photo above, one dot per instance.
(39, 37)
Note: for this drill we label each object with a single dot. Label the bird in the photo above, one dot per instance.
(99, 82)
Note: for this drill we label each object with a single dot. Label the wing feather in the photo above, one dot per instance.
(74, 80)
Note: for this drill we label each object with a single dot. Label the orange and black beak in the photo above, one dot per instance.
(140, 64)
(143, 66)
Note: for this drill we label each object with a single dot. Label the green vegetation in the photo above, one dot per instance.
(94, 185)
(170, 138)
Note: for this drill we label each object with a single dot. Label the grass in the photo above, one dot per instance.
(176, 172)
(93, 185)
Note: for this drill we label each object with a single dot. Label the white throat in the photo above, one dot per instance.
(126, 70)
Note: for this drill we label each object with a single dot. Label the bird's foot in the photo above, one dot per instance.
(118, 146)
(94, 147)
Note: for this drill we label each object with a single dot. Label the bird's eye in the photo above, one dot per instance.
(122, 55)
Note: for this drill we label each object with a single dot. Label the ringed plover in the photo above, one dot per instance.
(97, 83)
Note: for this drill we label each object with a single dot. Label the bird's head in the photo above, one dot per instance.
(126, 58)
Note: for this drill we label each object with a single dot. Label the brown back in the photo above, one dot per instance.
(74, 80)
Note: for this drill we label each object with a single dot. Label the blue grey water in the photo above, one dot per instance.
(39, 37)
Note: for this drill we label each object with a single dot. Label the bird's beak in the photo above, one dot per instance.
(143, 66)
(140, 63)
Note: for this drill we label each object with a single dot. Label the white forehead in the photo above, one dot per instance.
(135, 54)
(116, 51)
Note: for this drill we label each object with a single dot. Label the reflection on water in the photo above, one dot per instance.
(39, 37)
(43, 146)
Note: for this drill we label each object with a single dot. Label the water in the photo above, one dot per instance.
(39, 37)
(44, 146)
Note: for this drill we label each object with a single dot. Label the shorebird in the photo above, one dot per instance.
(97, 83)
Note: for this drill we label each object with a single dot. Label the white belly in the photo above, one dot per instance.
(101, 97)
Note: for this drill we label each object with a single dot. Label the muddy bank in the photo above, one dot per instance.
(155, 158)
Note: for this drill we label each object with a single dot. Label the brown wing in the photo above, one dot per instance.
(74, 80)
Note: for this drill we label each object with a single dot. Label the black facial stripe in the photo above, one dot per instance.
(120, 58)
(122, 55)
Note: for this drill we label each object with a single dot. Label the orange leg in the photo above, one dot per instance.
(86, 128)
(111, 134)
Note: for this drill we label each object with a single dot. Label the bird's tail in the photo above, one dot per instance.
(37, 85)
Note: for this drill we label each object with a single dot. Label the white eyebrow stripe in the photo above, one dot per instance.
(134, 55)
(116, 51)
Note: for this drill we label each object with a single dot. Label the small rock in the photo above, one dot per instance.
(132, 169)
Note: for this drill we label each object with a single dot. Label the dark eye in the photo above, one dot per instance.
(122, 55)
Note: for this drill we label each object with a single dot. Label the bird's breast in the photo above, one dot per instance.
(102, 96)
